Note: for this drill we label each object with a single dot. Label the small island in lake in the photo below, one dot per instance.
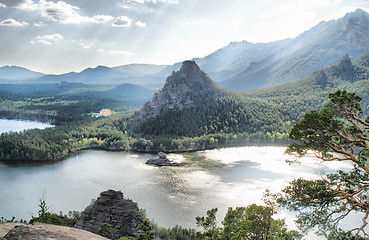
(161, 160)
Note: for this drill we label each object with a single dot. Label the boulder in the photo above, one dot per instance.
(161, 160)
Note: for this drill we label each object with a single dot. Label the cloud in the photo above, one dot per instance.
(60, 12)
(122, 21)
(135, 4)
(49, 39)
(54, 37)
(22, 4)
(45, 42)
(38, 24)
(12, 23)
(140, 24)
(85, 45)
(123, 53)
(102, 18)
(151, 1)
(68, 14)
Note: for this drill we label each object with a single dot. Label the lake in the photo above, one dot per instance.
(203, 180)
(19, 125)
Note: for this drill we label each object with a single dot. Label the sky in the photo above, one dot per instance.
(53, 36)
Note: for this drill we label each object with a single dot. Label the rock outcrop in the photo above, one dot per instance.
(320, 78)
(345, 69)
(182, 88)
(161, 161)
(122, 214)
(40, 231)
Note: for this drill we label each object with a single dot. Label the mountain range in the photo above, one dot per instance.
(244, 66)
(15, 73)
(192, 105)
(239, 65)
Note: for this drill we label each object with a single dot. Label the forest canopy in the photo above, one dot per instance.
(338, 132)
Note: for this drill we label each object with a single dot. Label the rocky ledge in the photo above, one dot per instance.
(123, 215)
(161, 161)
(40, 231)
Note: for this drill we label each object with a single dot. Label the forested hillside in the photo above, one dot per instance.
(190, 104)
(296, 99)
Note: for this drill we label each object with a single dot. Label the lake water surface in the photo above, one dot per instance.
(221, 178)
(19, 125)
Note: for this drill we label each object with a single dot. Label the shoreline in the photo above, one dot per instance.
(77, 151)
(67, 152)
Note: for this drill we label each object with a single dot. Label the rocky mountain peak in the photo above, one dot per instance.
(345, 69)
(190, 68)
(345, 61)
(189, 75)
(357, 20)
(358, 14)
(182, 88)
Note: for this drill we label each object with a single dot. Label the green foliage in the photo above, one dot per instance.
(75, 215)
(162, 143)
(251, 222)
(209, 224)
(2, 220)
(344, 235)
(335, 133)
(56, 110)
(56, 143)
(297, 98)
(64, 103)
(176, 233)
(225, 112)
(44, 216)
(143, 212)
(147, 231)
(105, 231)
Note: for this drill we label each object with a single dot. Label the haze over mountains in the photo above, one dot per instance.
(244, 66)
(14, 73)
(240, 65)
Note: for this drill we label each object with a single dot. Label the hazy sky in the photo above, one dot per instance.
(70, 35)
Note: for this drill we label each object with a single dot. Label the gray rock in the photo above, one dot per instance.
(182, 89)
(122, 214)
(40, 231)
(161, 161)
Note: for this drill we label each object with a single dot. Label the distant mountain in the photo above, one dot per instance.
(133, 73)
(244, 65)
(129, 91)
(191, 104)
(14, 73)
(238, 56)
(140, 69)
(126, 91)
